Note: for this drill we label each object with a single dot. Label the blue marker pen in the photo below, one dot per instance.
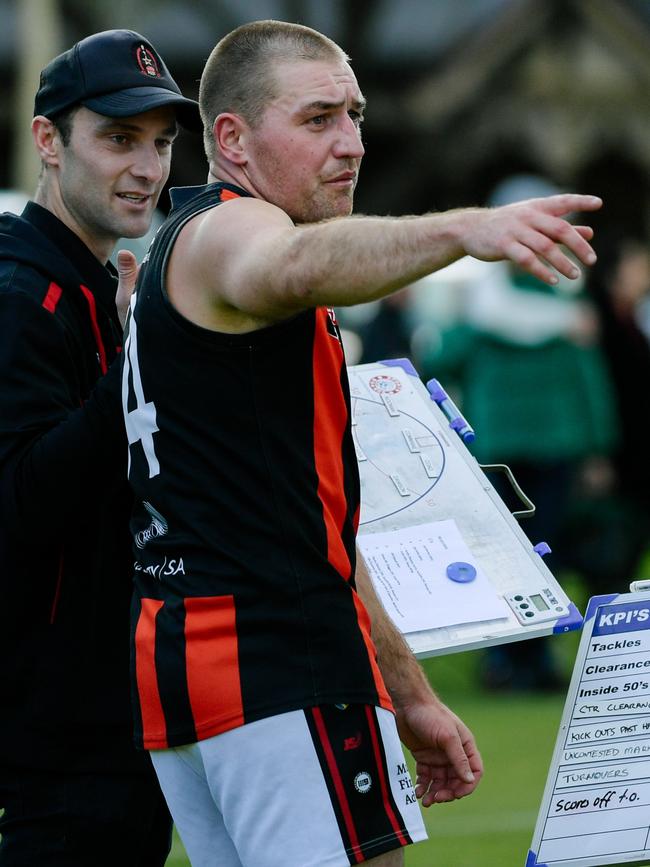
(446, 404)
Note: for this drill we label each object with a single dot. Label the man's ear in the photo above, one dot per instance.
(46, 139)
(230, 137)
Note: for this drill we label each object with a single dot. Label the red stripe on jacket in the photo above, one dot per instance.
(52, 297)
(92, 308)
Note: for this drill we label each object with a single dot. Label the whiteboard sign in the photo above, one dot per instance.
(596, 805)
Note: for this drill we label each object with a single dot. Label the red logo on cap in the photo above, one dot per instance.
(147, 61)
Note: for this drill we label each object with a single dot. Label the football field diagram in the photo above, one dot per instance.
(401, 458)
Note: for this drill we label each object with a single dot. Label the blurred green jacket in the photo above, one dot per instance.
(546, 402)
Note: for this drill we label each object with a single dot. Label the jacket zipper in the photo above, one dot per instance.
(57, 589)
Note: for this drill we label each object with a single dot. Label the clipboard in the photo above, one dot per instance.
(595, 809)
(415, 470)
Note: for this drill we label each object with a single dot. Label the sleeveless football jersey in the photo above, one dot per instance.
(247, 499)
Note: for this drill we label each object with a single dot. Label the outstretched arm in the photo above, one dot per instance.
(283, 268)
(448, 763)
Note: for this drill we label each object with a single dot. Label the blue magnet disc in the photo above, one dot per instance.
(461, 572)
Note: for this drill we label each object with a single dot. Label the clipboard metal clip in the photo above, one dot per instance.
(529, 511)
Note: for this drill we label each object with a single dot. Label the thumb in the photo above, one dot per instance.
(127, 270)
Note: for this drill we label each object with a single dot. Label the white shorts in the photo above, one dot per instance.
(320, 787)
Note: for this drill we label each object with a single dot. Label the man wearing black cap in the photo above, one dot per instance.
(74, 790)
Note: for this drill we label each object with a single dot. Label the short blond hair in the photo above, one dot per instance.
(238, 76)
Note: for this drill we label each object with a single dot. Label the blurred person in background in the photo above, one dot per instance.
(609, 532)
(74, 790)
(388, 333)
(533, 385)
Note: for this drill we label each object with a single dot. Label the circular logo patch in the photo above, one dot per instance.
(363, 782)
(147, 62)
(383, 384)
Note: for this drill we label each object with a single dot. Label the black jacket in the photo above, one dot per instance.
(65, 560)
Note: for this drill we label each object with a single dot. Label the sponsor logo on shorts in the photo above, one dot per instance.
(363, 782)
(341, 706)
(352, 743)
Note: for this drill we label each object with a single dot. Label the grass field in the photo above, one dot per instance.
(516, 735)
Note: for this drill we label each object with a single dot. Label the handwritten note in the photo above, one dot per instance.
(409, 571)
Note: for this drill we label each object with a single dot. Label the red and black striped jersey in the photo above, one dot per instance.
(247, 499)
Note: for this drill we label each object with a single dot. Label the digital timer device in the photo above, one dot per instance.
(535, 607)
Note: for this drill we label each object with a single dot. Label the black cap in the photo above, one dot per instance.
(117, 73)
